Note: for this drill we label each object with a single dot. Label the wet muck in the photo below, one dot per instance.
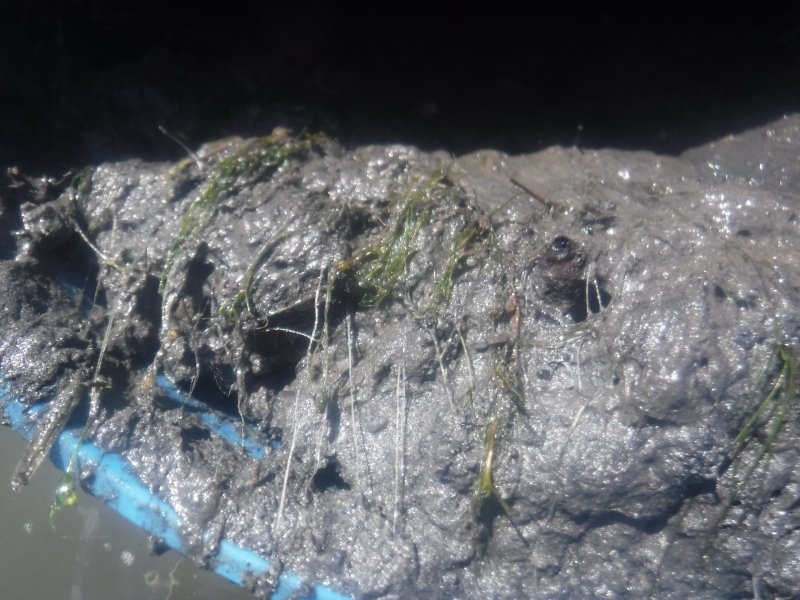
(562, 375)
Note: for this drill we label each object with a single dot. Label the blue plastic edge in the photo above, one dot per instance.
(115, 483)
(233, 433)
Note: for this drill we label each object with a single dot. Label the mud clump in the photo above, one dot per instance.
(468, 389)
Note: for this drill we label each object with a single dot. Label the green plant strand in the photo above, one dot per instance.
(247, 165)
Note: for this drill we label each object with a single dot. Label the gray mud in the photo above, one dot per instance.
(526, 374)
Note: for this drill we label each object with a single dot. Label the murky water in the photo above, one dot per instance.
(94, 555)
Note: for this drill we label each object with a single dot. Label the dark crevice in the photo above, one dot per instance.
(578, 312)
(701, 486)
(645, 525)
(197, 274)
(382, 373)
(650, 421)
(490, 510)
(272, 348)
(213, 388)
(591, 301)
(333, 415)
(191, 435)
(149, 306)
(648, 525)
(329, 479)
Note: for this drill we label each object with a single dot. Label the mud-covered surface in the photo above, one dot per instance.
(558, 375)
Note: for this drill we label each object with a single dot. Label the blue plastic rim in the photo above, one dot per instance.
(116, 484)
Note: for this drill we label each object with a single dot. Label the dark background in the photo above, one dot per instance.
(89, 81)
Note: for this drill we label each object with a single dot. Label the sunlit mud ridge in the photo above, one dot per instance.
(561, 375)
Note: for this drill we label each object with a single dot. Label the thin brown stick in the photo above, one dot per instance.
(539, 197)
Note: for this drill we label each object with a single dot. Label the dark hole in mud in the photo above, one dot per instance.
(270, 476)
(149, 305)
(214, 387)
(328, 479)
(276, 436)
(490, 510)
(352, 222)
(382, 373)
(75, 342)
(184, 188)
(645, 525)
(562, 267)
(726, 461)
(719, 293)
(744, 233)
(80, 286)
(73, 266)
(197, 274)
(191, 435)
(651, 421)
(275, 348)
(591, 225)
(589, 301)
(562, 248)
(701, 486)
(275, 355)
(579, 313)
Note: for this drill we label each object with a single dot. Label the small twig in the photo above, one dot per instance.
(548, 203)
(592, 275)
(326, 339)
(288, 464)
(94, 396)
(470, 371)
(311, 350)
(352, 393)
(322, 272)
(293, 331)
(104, 257)
(194, 156)
(325, 367)
(399, 448)
(193, 344)
(446, 382)
(572, 427)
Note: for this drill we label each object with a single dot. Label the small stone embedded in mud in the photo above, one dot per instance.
(462, 389)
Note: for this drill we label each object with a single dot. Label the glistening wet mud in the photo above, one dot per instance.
(564, 374)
